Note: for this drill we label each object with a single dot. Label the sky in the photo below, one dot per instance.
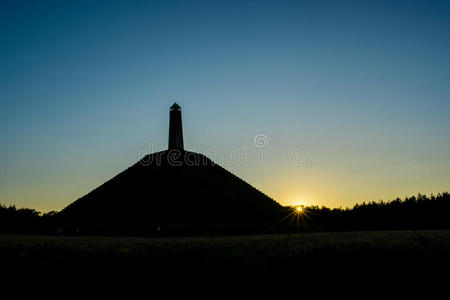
(351, 97)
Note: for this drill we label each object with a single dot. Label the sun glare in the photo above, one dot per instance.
(299, 209)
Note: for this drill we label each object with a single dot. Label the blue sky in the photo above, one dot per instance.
(361, 88)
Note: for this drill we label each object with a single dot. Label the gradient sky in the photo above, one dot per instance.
(361, 88)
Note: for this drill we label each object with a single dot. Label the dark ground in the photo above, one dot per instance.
(325, 257)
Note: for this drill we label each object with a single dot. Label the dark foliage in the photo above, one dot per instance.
(24, 220)
(416, 212)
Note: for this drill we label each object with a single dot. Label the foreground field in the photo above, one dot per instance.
(328, 255)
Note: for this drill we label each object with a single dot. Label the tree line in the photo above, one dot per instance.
(415, 212)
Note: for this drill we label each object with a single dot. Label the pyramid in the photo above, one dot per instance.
(172, 186)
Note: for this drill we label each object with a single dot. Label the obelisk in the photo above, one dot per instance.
(175, 128)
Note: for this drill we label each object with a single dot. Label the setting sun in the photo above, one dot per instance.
(299, 209)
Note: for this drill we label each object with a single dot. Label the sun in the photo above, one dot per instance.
(299, 209)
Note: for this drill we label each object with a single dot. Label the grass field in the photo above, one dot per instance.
(305, 254)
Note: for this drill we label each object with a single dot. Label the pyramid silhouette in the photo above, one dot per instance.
(172, 186)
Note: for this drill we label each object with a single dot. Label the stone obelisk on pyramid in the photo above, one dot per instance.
(175, 128)
(164, 188)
